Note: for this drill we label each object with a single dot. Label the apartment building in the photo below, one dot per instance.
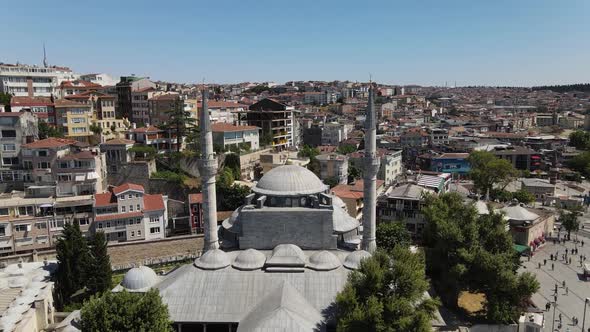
(16, 129)
(226, 135)
(333, 165)
(74, 118)
(438, 137)
(68, 88)
(125, 89)
(127, 213)
(28, 81)
(224, 111)
(42, 107)
(391, 164)
(404, 204)
(333, 133)
(161, 140)
(28, 224)
(160, 107)
(140, 109)
(274, 119)
(103, 109)
(456, 163)
(99, 78)
(353, 196)
(117, 153)
(59, 167)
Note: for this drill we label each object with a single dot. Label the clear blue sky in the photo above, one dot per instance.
(495, 42)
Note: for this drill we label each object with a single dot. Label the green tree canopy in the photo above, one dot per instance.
(100, 275)
(46, 131)
(580, 139)
(391, 234)
(124, 311)
(469, 252)
(232, 162)
(179, 121)
(569, 220)
(311, 153)
(386, 294)
(581, 163)
(488, 170)
(346, 148)
(5, 100)
(354, 173)
(332, 181)
(73, 263)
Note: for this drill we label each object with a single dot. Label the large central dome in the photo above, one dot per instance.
(289, 180)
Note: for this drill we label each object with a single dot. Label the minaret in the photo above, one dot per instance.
(371, 168)
(208, 171)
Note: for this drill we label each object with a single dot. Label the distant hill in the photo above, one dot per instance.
(582, 87)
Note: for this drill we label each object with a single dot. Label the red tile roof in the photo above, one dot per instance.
(30, 101)
(150, 129)
(79, 84)
(168, 96)
(68, 103)
(352, 190)
(127, 186)
(105, 199)
(153, 202)
(89, 94)
(116, 216)
(226, 127)
(222, 104)
(11, 114)
(118, 141)
(50, 142)
(149, 88)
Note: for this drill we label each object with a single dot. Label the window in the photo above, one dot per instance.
(121, 234)
(25, 210)
(63, 164)
(78, 120)
(4, 212)
(10, 161)
(82, 221)
(40, 225)
(138, 232)
(130, 196)
(2, 230)
(108, 224)
(155, 219)
(42, 153)
(99, 225)
(136, 195)
(138, 207)
(123, 209)
(132, 233)
(64, 177)
(9, 147)
(8, 133)
(43, 164)
(122, 197)
(130, 208)
(154, 230)
(22, 228)
(78, 130)
(131, 221)
(138, 221)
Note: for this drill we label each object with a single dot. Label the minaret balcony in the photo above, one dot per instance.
(208, 166)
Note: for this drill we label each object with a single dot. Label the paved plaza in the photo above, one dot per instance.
(570, 301)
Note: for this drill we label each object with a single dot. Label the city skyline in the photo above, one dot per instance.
(497, 44)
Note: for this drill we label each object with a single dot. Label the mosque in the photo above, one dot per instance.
(278, 262)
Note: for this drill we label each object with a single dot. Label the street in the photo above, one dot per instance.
(570, 299)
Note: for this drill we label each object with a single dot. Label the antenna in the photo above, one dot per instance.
(44, 57)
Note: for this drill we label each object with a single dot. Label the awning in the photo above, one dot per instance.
(521, 249)
(80, 177)
(46, 205)
(92, 176)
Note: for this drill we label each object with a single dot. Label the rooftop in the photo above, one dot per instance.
(289, 180)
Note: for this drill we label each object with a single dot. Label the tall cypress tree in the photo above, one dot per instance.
(72, 259)
(100, 273)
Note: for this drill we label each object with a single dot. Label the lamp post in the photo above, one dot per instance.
(584, 316)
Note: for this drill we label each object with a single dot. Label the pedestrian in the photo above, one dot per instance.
(555, 288)
(566, 251)
(563, 283)
(555, 298)
(567, 289)
(560, 317)
(569, 262)
(552, 267)
(551, 256)
(582, 243)
(539, 265)
(548, 306)
(544, 262)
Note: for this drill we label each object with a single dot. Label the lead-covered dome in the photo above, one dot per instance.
(289, 180)
(213, 259)
(323, 261)
(353, 260)
(139, 278)
(249, 259)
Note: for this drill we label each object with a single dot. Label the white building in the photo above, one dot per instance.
(333, 134)
(128, 213)
(391, 167)
(102, 79)
(25, 80)
(226, 135)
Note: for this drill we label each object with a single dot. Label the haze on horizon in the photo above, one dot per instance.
(499, 43)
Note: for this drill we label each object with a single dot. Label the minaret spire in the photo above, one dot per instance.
(44, 57)
(208, 171)
(372, 164)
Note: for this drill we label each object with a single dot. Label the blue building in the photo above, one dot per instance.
(455, 163)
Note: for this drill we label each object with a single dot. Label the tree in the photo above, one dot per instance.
(232, 197)
(148, 152)
(124, 311)
(96, 129)
(266, 139)
(466, 251)
(581, 163)
(354, 173)
(391, 234)
(232, 162)
(5, 100)
(386, 294)
(346, 148)
(523, 196)
(73, 262)
(311, 153)
(46, 131)
(487, 170)
(580, 139)
(332, 181)
(179, 121)
(100, 278)
(569, 220)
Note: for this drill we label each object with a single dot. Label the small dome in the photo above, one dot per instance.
(139, 278)
(289, 180)
(288, 250)
(353, 260)
(342, 221)
(249, 259)
(519, 213)
(323, 261)
(213, 259)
